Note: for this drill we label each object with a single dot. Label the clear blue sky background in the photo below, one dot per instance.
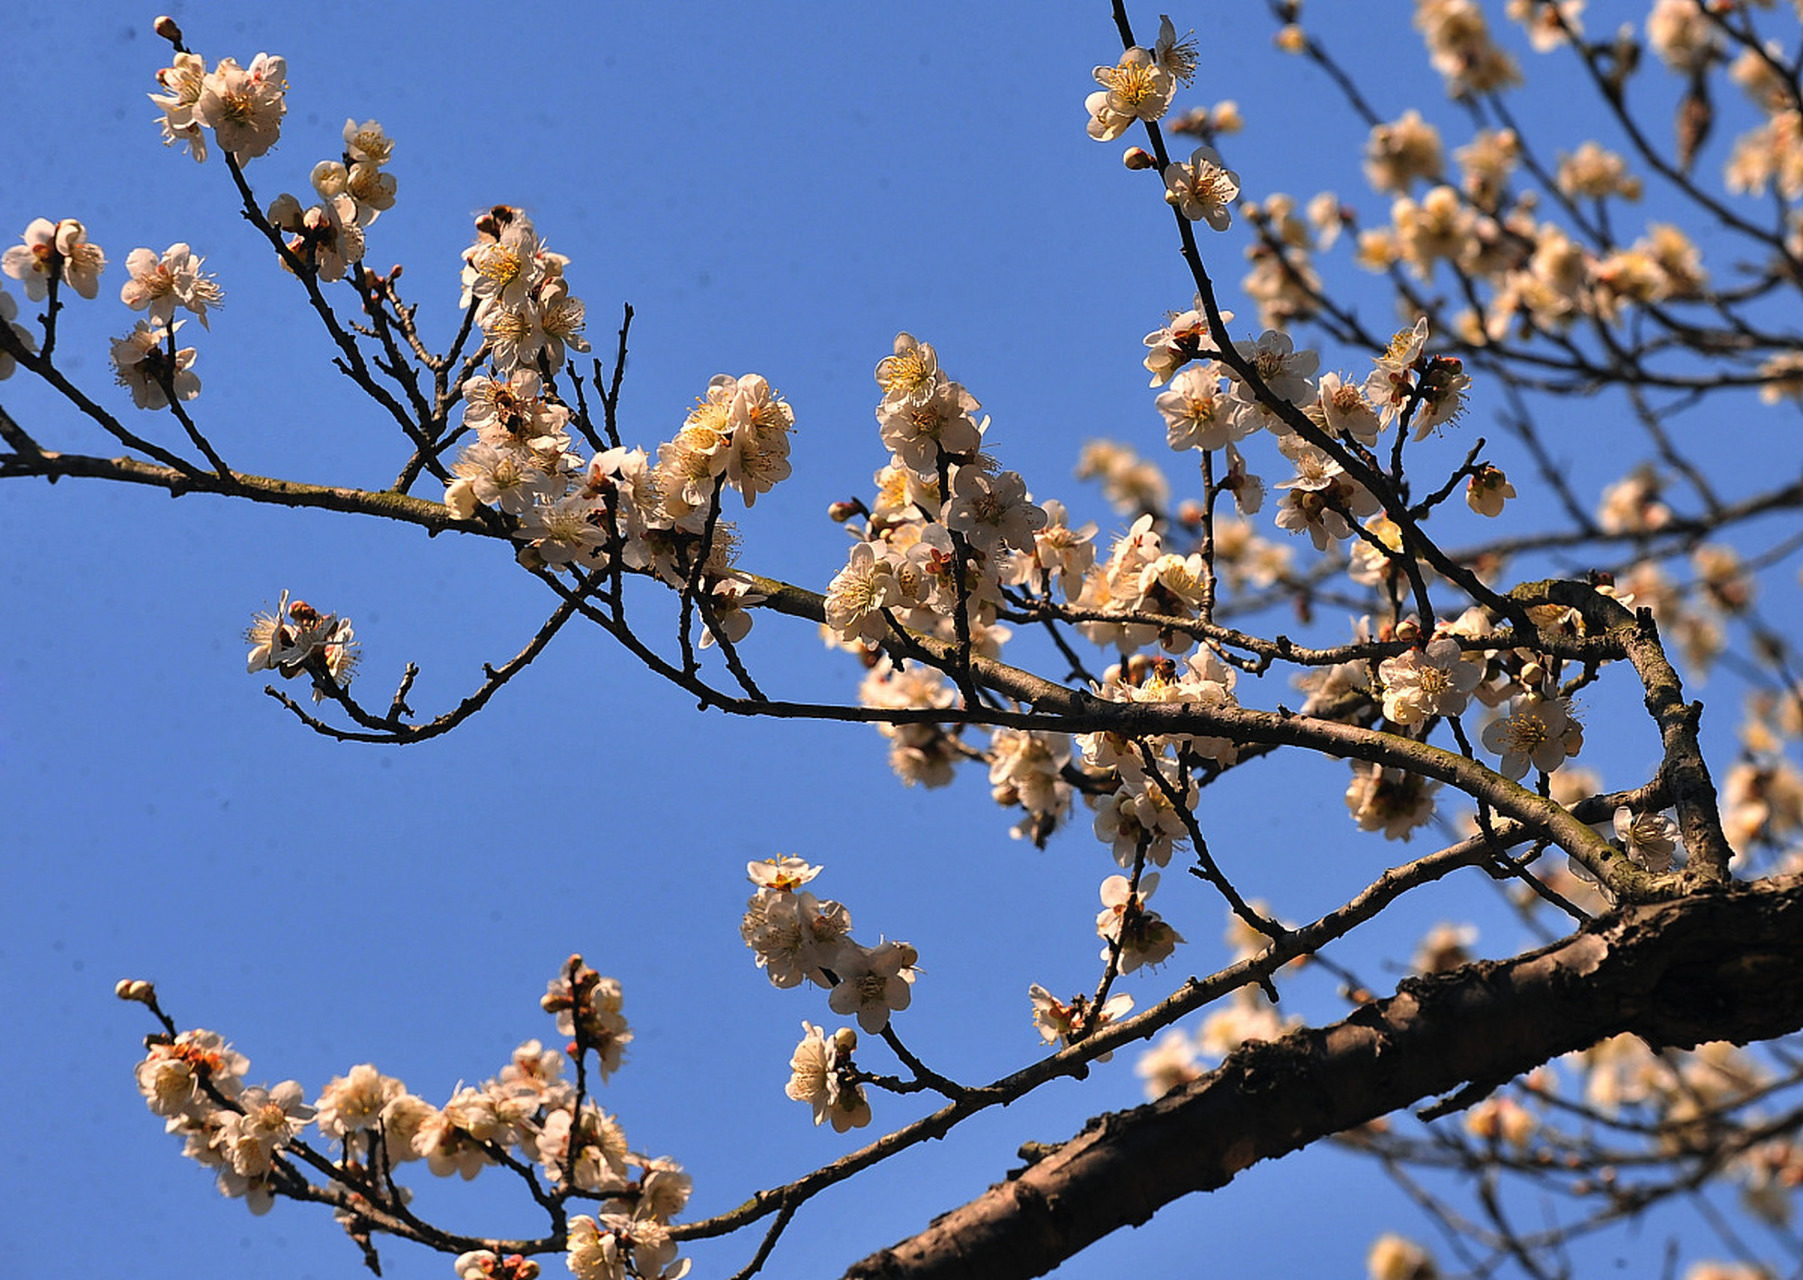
(775, 188)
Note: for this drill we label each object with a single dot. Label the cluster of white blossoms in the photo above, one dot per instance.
(196, 1082)
(618, 506)
(327, 237)
(1521, 272)
(949, 539)
(618, 1246)
(243, 106)
(1209, 408)
(146, 360)
(947, 522)
(522, 299)
(296, 637)
(147, 363)
(796, 936)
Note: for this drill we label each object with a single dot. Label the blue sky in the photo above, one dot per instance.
(774, 188)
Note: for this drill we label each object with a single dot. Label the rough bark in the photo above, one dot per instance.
(1723, 965)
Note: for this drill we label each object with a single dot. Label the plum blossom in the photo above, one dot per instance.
(1132, 485)
(759, 421)
(172, 1077)
(858, 594)
(1538, 730)
(292, 637)
(1442, 389)
(619, 1246)
(325, 237)
(993, 511)
(1137, 88)
(1248, 1016)
(507, 478)
(1394, 1257)
(781, 874)
(1389, 800)
(568, 529)
(354, 1102)
(1486, 491)
(944, 422)
(270, 1118)
(161, 283)
(873, 982)
(818, 1076)
(55, 251)
(598, 1144)
(909, 376)
(1445, 948)
(1286, 372)
(1059, 552)
(1141, 935)
(1431, 681)
(1348, 413)
(447, 1139)
(1169, 1064)
(514, 412)
(184, 82)
(1649, 839)
(794, 935)
(370, 190)
(1176, 56)
(144, 364)
(1198, 414)
(244, 106)
(588, 1009)
(1389, 386)
(1203, 190)
(1401, 151)
(1026, 768)
(1066, 1024)
(1179, 341)
(485, 1264)
(1321, 500)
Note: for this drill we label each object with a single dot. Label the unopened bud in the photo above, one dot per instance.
(1189, 513)
(1408, 630)
(1138, 158)
(1291, 40)
(166, 27)
(840, 512)
(135, 989)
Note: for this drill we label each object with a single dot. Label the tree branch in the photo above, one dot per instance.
(1713, 966)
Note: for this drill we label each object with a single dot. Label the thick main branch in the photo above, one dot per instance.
(1713, 966)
